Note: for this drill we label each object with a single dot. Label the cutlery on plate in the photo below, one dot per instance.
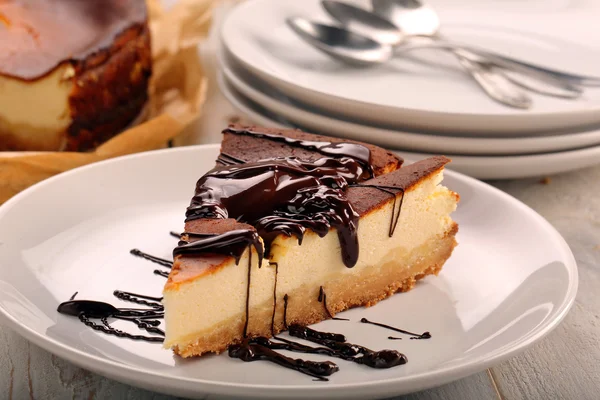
(417, 19)
(394, 21)
(495, 85)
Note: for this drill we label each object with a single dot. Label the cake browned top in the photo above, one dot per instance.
(37, 36)
(367, 197)
(271, 182)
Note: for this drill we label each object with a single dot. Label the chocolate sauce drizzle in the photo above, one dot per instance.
(283, 196)
(245, 332)
(232, 243)
(348, 351)
(334, 345)
(287, 195)
(424, 335)
(146, 256)
(323, 298)
(388, 190)
(353, 150)
(274, 297)
(138, 299)
(227, 159)
(261, 349)
(285, 306)
(146, 319)
(175, 234)
(164, 274)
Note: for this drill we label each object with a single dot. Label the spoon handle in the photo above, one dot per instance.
(512, 63)
(494, 84)
(550, 85)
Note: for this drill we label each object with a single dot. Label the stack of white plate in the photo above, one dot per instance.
(425, 105)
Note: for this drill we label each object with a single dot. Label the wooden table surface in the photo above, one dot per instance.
(564, 365)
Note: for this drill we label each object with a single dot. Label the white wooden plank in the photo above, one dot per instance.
(474, 387)
(566, 364)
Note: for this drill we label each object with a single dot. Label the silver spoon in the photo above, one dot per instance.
(421, 22)
(495, 85)
(355, 49)
(418, 19)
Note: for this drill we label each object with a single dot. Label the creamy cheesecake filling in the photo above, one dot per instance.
(38, 110)
(208, 298)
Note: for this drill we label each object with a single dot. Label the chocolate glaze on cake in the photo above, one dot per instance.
(37, 36)
(288, 195)
(251, 148)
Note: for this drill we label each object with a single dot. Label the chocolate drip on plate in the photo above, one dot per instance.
(146, 256)
(161, 273)
(144, 318)
(424, 335)
(260, 349)
(138, 299)
(348, 351)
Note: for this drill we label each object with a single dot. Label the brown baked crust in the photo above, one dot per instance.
(38, 36)
(110, 80)
(365, 199)
(251, 149)
(111, 89)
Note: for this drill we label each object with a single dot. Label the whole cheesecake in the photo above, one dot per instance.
(73, 73)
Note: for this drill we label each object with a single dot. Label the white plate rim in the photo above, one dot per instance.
(114, 369)
(479, 124)
(471, 146)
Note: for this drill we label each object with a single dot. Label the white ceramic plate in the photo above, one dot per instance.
(481, 167)
(510, 281)
(306, 116)
(421, 94)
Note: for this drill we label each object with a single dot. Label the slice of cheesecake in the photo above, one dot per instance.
(72, 73)
(294, 228)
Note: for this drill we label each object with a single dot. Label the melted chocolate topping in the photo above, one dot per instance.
(232, 243)
(282, 196)
(261, 349)
(357, 152)
(424, 335)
